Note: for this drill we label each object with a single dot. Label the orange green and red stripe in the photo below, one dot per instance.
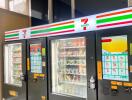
(52, 29)
(114, 18)
(11, 35)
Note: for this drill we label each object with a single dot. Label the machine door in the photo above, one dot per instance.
(72, 67)
(14, 71)
(114, 62)
(37, 69)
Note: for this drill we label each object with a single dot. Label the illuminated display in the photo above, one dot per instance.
(115, 58)
(36, 58)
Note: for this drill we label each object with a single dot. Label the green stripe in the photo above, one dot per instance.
(11, 35)
(53, 29)
(114, 19)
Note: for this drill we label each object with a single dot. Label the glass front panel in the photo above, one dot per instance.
(115, 58)
(39, 12)
(36, 58)
(2, 4)
(69, 67)
(61, 10)
(90, 7)
(19, 6)
(13, 64)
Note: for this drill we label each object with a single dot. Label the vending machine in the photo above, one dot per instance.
(37, 69)
(114, 55)
(15, 85)
(72, 74)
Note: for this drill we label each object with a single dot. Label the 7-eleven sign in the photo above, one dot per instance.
(84, 24)
(24, 33)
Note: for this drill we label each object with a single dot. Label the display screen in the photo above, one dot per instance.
(115, 58)
(36, 58)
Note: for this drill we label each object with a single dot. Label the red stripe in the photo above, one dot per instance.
(106, 40)
(39, 35)
(114, 13)
(11, 32)
(112, 24)
(47, 26)
(12, 38)
(72, 30)
(53, 33)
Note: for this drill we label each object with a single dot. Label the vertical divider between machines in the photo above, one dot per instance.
(27, 64)
(47, 65)
(96, 62)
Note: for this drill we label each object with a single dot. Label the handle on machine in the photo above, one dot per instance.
(92, 82)
(23, 77)
(35, 80)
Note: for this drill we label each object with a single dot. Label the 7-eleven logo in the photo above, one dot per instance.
(24, 33)
(85, 24)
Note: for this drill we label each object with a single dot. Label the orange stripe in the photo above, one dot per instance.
(70, 22)
(114, 13)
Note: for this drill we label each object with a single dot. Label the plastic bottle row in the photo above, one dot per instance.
(72, 62)
(73, 70)
(72, 42)
(70, 53)
(72, 79)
